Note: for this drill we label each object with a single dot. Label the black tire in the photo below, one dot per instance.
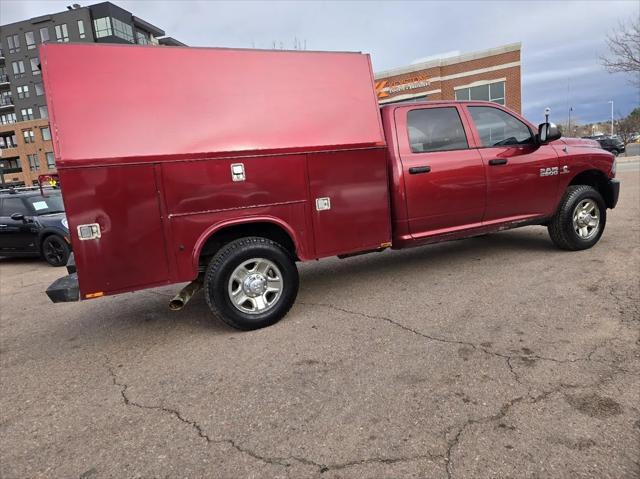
(615, 152)
(561, 228)
(55, 250)
(231, 257)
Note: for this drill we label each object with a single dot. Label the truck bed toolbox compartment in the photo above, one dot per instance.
(159, 146)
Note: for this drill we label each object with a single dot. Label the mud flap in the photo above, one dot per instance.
(65, 289)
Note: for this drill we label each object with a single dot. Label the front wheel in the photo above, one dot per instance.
(615, 152)
(55, 250)
(251, 283)
(580, 220)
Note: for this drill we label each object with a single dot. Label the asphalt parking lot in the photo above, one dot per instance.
(497, 356)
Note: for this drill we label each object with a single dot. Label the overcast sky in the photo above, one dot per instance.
(561, 41)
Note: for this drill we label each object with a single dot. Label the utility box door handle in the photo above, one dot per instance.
(323, 204)
(237, 172)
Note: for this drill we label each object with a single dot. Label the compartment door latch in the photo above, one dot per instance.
(237, 172)
(323, 204)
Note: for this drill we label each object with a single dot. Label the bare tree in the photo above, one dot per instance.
(624, 50)
(628, 127)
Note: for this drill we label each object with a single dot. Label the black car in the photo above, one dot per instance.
(33, 223)
(613, 145)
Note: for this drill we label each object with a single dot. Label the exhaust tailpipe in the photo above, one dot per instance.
(180, 300)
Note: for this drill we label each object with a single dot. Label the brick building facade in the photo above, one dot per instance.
(27, 152)
(492, 75)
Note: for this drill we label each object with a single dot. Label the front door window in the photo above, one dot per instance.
(498, 128)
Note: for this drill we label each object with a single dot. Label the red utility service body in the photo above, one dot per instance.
(145, 140)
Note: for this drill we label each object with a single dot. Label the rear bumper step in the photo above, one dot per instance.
(65, 289)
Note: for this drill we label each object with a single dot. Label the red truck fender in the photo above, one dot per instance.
(299, 251)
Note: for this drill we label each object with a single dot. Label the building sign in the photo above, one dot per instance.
(384, 88)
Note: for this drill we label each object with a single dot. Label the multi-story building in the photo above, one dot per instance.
(492, 75)
(25, 138)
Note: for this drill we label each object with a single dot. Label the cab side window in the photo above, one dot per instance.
(498, 128)
(436, 129)
(13, 205)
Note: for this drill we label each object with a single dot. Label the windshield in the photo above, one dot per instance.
(46, 205)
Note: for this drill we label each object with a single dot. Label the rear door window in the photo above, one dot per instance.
(13, 205)
(498, 128)
(436, 129)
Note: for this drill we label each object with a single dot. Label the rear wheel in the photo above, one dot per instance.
(251, 283)
(580, 220)
(55, 250)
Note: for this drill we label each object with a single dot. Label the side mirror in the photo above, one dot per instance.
(17, 217)
(548, 132)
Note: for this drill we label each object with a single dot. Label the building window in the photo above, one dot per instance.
(44, 112)
(35, 66)
(27, 114)
(46, 133)
(435, 129)
(18, 69)
(102, 27)
(12, 163)
(143, 39)
(28, 136)
(6, 98)
(498, 128)
(8, 118)
(30, 40)
(13, 41)
(44, 34)
(51, 161)
(81, 29)
(8, 141)
(34, 162)
(122, 30)
(23, 91)
(490, 92)
(39, 89)
(62, 35)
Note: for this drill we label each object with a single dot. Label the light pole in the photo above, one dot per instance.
(611, 101)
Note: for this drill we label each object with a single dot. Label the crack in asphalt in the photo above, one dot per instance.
(448, 456)
(456, 439)
(507, 357)
(451, 445)
(279, 461)
(123, 392)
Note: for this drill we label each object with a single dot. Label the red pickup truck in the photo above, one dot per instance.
(223, 168)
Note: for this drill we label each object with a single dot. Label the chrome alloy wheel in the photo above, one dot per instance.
(586, 219)
(255, 286)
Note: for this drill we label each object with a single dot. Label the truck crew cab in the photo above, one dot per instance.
(286, 157)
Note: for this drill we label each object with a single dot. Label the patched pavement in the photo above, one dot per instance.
(497, 356)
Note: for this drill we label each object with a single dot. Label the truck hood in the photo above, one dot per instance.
(584, 142)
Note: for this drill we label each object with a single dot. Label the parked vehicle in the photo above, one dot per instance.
(612, 144)
(33, 223)
(286, 157)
